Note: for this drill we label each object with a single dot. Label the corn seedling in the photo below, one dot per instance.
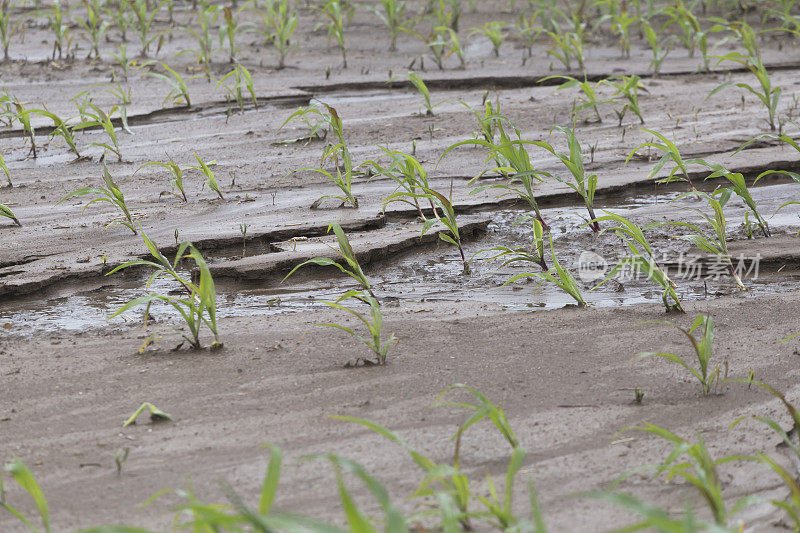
(60, 29)
(122, 15)
(373, 323)
(765, 92)
(416, 80)
(24, 117)
(156, 414)
(436, 44)
(329, 119)
(111, 194)
(334, 15)
(448, 218)
(95, 26)
(241, 79)
(205, 44)
(143, 21)
(679, 171)
(628, 87)
(9, 27)
(351, 266)
(100, 118)
(653, 39)
(693, 463)
(280, 22)
(116, 89)
(557, 275)
(227, 32)
(179, 92)
(61, 129)
(211, 179)
(738, 185)
(714, 243)
(581, 183)
(641, 258)
(566, 47)
(511, 156)
(25, 479)
(494, 32)
(589, 100)
(176, 179)
(200, 304)
(621, 22)
(707, 375)
(690, 32)
(394, 17)
(4, 168)
(533, 254)
(409, 174)
(528, 31)
(8, 213)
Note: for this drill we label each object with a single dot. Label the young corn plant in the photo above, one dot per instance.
(198, 308)
(714, 243)
(628, 88)
(334, 15)
(641, 259)
(61, 129)
(393, 15)
(55, 18)
(143, 22)
(280, 24)
(511, 157)
(4, 168)
(621, 22)
(351, 266)
(100, 118)
(94, 26)
(176, 179)
(589, 99)
(156, 414)
(416, 80)
(409, 174)
(25, 479)
(532, 254)
(211, 179)
(329, 119)
(205, 42)
(242, 79)
(566, 47)
(581, 183)
(228, 30)
(179, 91)
(528, 31)
(373, 323)
(23, 116)
(9, 27)
(494, 31)
(111, 194)
(679, 171)
(6, 212)
(557, 275)
(738, 186)
(448, 218)
(708, 375)
(694, 464)
(122, 15)
(658, 50)
(766, 92)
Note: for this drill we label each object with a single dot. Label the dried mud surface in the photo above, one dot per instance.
(564, 376)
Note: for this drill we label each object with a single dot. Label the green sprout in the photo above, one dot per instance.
(198, 307)
(111, 194)
(557, 275)
(393, 16)
(329, 118)
(156, 414)
(25, 479)
(373, 323)
(95, 27)
(334, 14)
(653, 38)
(409, 174)
(9, 27)
(533, 254)
(423, 90)
(589, 100)
(280, 24)
(351, 267)
(628, 87)
(102, 119)
(179, 92)
(493, 31)
(176, 181)
(211, 179)
(242, 79)
(8, 213)
(702, 346)
(671, 153)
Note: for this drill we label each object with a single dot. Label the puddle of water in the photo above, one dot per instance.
(432, 274)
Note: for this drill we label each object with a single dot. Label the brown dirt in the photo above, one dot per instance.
(563, 376)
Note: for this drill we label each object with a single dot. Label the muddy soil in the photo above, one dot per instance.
(69, 376)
